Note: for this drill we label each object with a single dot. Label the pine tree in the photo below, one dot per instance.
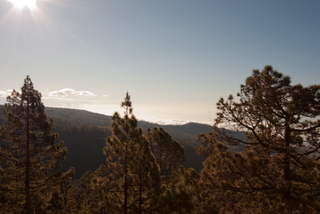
(71, 202)
(148, 179)
(7, 199)
(103, 185)
(181, 194)
(131, 162)
(85, 207)
(31, 153)
(56, 202)
(271, 163)
(169, 153)
(83, 189)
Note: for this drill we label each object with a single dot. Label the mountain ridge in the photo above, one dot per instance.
(84, 134)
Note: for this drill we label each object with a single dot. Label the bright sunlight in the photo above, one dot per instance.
(31, 4)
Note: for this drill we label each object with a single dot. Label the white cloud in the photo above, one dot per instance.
(66, 92)
(166, 121)
(5, 93)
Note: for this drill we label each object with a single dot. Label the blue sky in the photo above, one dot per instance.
(176, 58)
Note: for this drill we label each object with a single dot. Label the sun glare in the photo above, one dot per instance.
(31, 4)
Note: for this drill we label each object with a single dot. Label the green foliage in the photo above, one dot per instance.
(85, 207)
(103, 186)
(71, 202)
(181, 194)
(56, 202)
(277, 170)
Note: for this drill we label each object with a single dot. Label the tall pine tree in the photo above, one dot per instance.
(30, 152)
(276, 166)
(131, 161)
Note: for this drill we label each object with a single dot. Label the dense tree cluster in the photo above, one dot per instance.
(275, 168)
(262, 156)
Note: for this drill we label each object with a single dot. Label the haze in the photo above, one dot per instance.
(176, 58)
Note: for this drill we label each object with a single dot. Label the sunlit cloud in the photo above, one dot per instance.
(167, 121)
(6, 93)
(67, 92)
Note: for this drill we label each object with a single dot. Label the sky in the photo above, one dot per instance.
(176, 58)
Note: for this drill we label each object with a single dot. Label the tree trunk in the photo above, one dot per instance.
(125, 185)
(140, 195)
(27, 179)
(286, 171)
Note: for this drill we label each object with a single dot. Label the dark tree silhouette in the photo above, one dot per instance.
(276, 168)
(30, 153)
(131, 161)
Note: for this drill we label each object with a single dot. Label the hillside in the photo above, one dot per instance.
(84, 134)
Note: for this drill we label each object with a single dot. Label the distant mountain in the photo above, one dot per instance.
(76, 116)
(84, 133)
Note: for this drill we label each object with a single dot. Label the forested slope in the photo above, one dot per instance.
(84, 133)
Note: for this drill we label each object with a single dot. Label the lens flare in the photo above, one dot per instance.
(31, 4)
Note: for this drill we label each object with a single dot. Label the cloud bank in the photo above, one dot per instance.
(6, 93)
(67, 92)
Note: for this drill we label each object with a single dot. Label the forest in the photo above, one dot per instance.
(260, 156)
